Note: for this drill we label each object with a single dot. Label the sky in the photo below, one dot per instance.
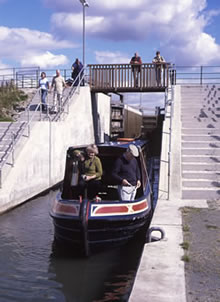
(48, 33)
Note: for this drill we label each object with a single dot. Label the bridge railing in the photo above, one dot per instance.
(28, 77)
(197, 75)
(124, 76)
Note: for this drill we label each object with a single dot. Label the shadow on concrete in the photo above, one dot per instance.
(34, 107)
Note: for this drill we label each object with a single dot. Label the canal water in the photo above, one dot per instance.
(32, 269)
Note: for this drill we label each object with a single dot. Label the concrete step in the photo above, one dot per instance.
(201, 138)
(201, 194)
(201, 131)
(203, 124)
(211, 175)
(199, 145)
(200, 159)
(194, 110)
(200, 184)
(200, 111)
(201, 151)
(202, 167)
(199, 119)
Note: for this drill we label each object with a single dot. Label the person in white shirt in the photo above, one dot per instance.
(58, 84)
(44, 87)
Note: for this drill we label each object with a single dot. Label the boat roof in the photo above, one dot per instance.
(121, 143)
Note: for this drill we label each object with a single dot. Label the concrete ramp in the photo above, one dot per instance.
(200, 142)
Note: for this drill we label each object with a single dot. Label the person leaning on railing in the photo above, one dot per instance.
(136, 67)
(158, 60)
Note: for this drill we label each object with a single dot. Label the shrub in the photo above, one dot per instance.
(10, 97)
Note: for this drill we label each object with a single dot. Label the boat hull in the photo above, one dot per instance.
(105, 224)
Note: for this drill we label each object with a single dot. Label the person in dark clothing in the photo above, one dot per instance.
(126, 173)
(77, 66)
(136, 67)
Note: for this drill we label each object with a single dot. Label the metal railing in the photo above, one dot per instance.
(124, 76)
(169, 115)
(28, 77)
(197, 75)
(118, 75)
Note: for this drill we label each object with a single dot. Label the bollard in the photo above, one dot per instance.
(150, 238)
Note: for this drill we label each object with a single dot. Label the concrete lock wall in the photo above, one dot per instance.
(104, 113)
(132, 122)
(40, 163)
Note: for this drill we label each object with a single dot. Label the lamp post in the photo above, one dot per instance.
(84, 5)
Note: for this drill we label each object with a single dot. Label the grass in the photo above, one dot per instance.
(185, 258)
(186, 228)
(185, 245)
(211, 227)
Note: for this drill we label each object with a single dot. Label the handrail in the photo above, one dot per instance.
(199, 74)
(28, 77)
(129, 76)
(169, 114)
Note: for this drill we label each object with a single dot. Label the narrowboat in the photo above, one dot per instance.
(104, 221)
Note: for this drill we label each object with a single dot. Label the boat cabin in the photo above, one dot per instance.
(108, 153)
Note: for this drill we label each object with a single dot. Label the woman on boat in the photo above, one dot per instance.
(91, 179)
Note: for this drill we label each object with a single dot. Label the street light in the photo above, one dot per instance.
(84, 4)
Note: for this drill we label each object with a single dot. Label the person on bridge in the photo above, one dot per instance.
(158, 60)
(77, 67)
(126, 173)
(44, 87)
(136, 67)
(58, 84)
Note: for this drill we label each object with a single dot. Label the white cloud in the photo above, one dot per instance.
(65, 24)
(111, 57)
(45, 60)
(177, 26)
(23, 45)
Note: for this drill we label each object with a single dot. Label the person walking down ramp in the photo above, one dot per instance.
(58, 84)
(44, 87)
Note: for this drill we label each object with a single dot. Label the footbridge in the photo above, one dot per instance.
(124, 78)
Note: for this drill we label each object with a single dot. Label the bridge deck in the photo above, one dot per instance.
(147, 77)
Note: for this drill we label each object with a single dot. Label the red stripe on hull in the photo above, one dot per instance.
(140, 206)
(112, 210)
(61, 208)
